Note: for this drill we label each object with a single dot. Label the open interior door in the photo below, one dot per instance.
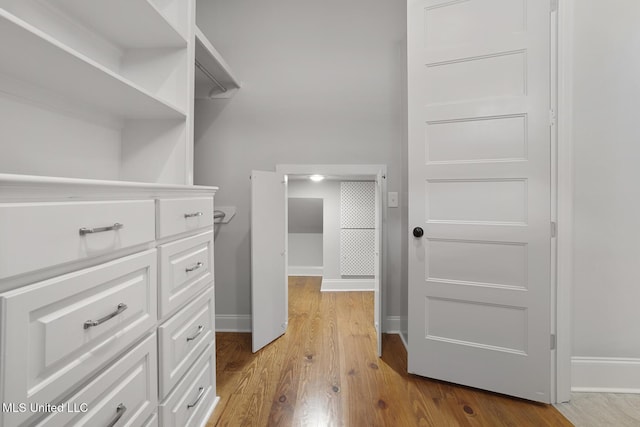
(479, 194)
(377, 290)
(269, 311)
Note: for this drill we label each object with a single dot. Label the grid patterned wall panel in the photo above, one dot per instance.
(357, 228)
(357, 204)
(357, 247)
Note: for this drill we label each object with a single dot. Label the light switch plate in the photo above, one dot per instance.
(392, 199)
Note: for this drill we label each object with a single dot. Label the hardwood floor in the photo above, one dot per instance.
(324, 372)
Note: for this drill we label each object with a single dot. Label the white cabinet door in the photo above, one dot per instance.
(182, 338)
(269, 311)
(125, 392)
(186, 268)
(60, 331)
(479, 188)
(193, 399)
(177, 216)
(44, 234)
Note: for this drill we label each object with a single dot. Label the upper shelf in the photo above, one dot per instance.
(132, 24)
(214, 78)
(34, 57)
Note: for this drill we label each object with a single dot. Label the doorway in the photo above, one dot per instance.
(336, 173)
(331, 230)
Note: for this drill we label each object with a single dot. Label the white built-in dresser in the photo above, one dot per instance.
(106, 302)
(106, 246)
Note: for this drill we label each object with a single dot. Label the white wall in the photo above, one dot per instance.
(305, 231)
(606, 313)
(305, 250)
(329, 192)
(322, 83)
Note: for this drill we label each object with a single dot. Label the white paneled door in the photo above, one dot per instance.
(479, 194)
(269, 310)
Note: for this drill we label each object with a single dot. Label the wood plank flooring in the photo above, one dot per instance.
(325, 372)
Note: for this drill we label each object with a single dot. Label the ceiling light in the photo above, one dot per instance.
(316, 178)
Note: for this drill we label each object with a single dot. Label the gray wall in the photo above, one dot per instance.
(329, 192)
(305, 214)
(305, 231)
(322, 83)
(305, 250)
(606, 318)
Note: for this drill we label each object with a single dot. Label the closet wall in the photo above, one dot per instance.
(306, 98)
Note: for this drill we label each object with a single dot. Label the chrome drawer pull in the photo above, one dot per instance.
(120, 410)
(116, 226)
(194, 336)
(191, 215)
(195, 267)
(89, 323)
(200, 394)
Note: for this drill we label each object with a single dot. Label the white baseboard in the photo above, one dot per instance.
(392, 325)
(233, 323)
(347, 285)
(305, 270)
(404, 341)
(605, 375)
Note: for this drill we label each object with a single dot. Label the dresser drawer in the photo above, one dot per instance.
(59, 331)
(39, 235)
(125, 391)
(192, 399)
(152, 421)
(186, 268)
(176, 216)
(182, 339)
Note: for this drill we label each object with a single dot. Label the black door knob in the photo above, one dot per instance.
(418, 232)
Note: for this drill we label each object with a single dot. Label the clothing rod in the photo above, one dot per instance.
(210, 76)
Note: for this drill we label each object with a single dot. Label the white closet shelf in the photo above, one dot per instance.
(36, 58)
(215, 70)
(130, 24)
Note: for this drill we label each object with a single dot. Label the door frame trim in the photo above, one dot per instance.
(354, 170)
(564, 257)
